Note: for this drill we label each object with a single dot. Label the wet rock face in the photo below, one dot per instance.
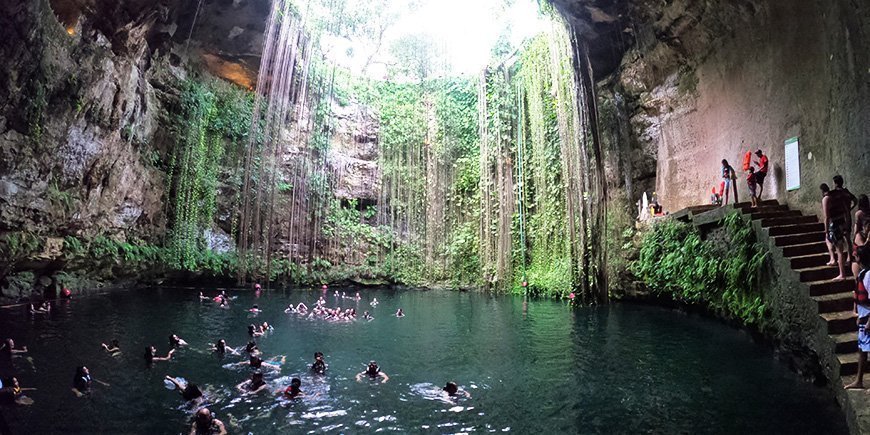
(353, 153)
(75, 121)
(706, 81)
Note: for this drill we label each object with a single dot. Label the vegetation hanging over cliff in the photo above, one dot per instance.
(676, 263)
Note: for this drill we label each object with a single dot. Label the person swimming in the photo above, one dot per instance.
(203, 297)
(400, 313)
(265, 327)
(254, 385)
(12, 393)
(189, 391)
(252, 348)
(257, 363)
(373, 371)
(114, 348)
(151, 355)
(374, 302)
(83, 380)
(205, 423)
(294, 390)
(176, 341)
(255, 309)
(254, 331)
(8, 350)
(319, 366)
(453, 390)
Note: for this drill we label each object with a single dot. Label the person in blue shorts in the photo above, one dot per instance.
(862, 309)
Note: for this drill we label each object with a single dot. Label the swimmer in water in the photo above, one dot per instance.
(12, 393)
(114, 348)
(151, 355)
(374, 302)
(176, 341)
(400, 313)
(453, 390)
(223, 303)
(319, 366)
(255, 309)
(266, 327)
(205, 423)
(294, 389)
(8, 350)
(254, 385)
(357, 296)
(83, 380)
(254, 331)
(290, 309)
(257, 363)
(367, 316)
(220, 347)
(252, 348)
(203, 297)
(188, 391)
(373, 372)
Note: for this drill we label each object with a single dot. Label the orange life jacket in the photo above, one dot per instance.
(747, 160)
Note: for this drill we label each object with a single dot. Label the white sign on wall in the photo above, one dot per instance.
(792, 165)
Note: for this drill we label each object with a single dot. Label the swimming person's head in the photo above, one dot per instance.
(373, 369)
(451, 388)
(150, 352)
(221, 345)
(204, 420)
(174, 340)
(115, 343)
(318, 356)
(251, 346)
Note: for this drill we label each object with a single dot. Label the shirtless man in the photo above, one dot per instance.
(835, 215)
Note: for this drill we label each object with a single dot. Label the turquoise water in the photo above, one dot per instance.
(544, 368)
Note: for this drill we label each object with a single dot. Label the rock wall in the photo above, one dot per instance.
(86, 90)
(705, 81)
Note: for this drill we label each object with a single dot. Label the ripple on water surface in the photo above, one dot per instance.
(547, 368)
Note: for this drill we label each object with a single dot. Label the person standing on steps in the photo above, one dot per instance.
(729, 179)
(849, 203)
(860, 241)
(862, 309)
(763, 165)
(834, 216)
(752, 183)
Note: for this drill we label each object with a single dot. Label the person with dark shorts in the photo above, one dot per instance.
(834, 215)
(849, 203)
(763, 165)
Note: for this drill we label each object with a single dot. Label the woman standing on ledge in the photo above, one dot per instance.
(729, 179)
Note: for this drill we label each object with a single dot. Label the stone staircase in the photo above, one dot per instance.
(802, 241)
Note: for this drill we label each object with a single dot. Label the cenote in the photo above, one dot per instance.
(536, 366)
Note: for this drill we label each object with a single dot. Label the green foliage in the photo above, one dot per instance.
(210, 126)
(19, 244)
(675, 262)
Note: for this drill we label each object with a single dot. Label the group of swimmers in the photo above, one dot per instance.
(204, 420)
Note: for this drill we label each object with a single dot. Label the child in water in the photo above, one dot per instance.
(400, 313)
(294, 390)
(151, 355)
(319, 366)
(83, 380)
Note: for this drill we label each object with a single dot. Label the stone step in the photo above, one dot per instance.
(763, 204)
(835, 302)
(840, 322)
(821, 273)
(804, 249)
(799, 239)
(808, 261)
(774, 213)
(792, 220)
(845, 343)
(821, 288)
(848, 363)
(784, 230)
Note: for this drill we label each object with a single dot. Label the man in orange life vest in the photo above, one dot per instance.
(761, 174)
